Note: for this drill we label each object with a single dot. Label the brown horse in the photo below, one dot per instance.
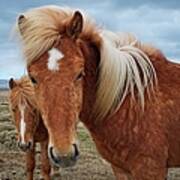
(125, 92)
(29, 124)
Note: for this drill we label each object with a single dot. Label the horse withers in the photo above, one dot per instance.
(29, 125)
(125, 92)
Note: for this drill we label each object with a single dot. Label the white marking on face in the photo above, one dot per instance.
(22, 124)
(54, 56)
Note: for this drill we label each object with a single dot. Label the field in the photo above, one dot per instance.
(90, 166)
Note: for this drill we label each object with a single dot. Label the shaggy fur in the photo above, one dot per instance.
(23, 93)
(137, 133)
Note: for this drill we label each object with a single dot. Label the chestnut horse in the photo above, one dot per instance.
(126, 93)
(29, 124)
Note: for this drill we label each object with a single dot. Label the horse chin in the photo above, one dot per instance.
(63, 161)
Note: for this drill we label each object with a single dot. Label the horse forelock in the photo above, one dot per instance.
(23, 94)
(43, 27)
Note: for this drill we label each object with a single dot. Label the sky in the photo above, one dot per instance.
(153, 21)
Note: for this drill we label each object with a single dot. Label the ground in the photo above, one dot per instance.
(89, 167)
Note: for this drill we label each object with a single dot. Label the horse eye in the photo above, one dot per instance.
(80, 75)
(33, 80)
(14, 110)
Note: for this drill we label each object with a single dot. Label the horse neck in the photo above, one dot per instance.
(92, 57)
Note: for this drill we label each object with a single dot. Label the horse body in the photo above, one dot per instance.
(110, 82)
(130, 138)
(33, 131)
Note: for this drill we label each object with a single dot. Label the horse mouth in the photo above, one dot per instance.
(63, 161)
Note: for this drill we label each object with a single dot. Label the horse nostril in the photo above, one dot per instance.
(52, 156)
(76, 152)
(63, 160)
(29, 145)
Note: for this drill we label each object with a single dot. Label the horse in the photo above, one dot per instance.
(124, 91)
(29, 125)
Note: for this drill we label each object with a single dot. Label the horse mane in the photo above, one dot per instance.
(125, 67)
(42, 29)
(23, 92)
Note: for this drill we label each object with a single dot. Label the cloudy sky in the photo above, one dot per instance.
(156, 22)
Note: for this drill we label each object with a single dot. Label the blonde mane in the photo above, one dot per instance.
(124, 68)
(124, 65)
(42, 29)
(23, 92)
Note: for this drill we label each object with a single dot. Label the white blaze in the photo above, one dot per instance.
(54, 56)
(22, 124)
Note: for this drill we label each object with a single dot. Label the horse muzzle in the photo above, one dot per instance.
(25, 146)
(64, 160)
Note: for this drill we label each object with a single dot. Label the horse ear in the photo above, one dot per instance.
(20, 21)
(12, 83)
(75, 26)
